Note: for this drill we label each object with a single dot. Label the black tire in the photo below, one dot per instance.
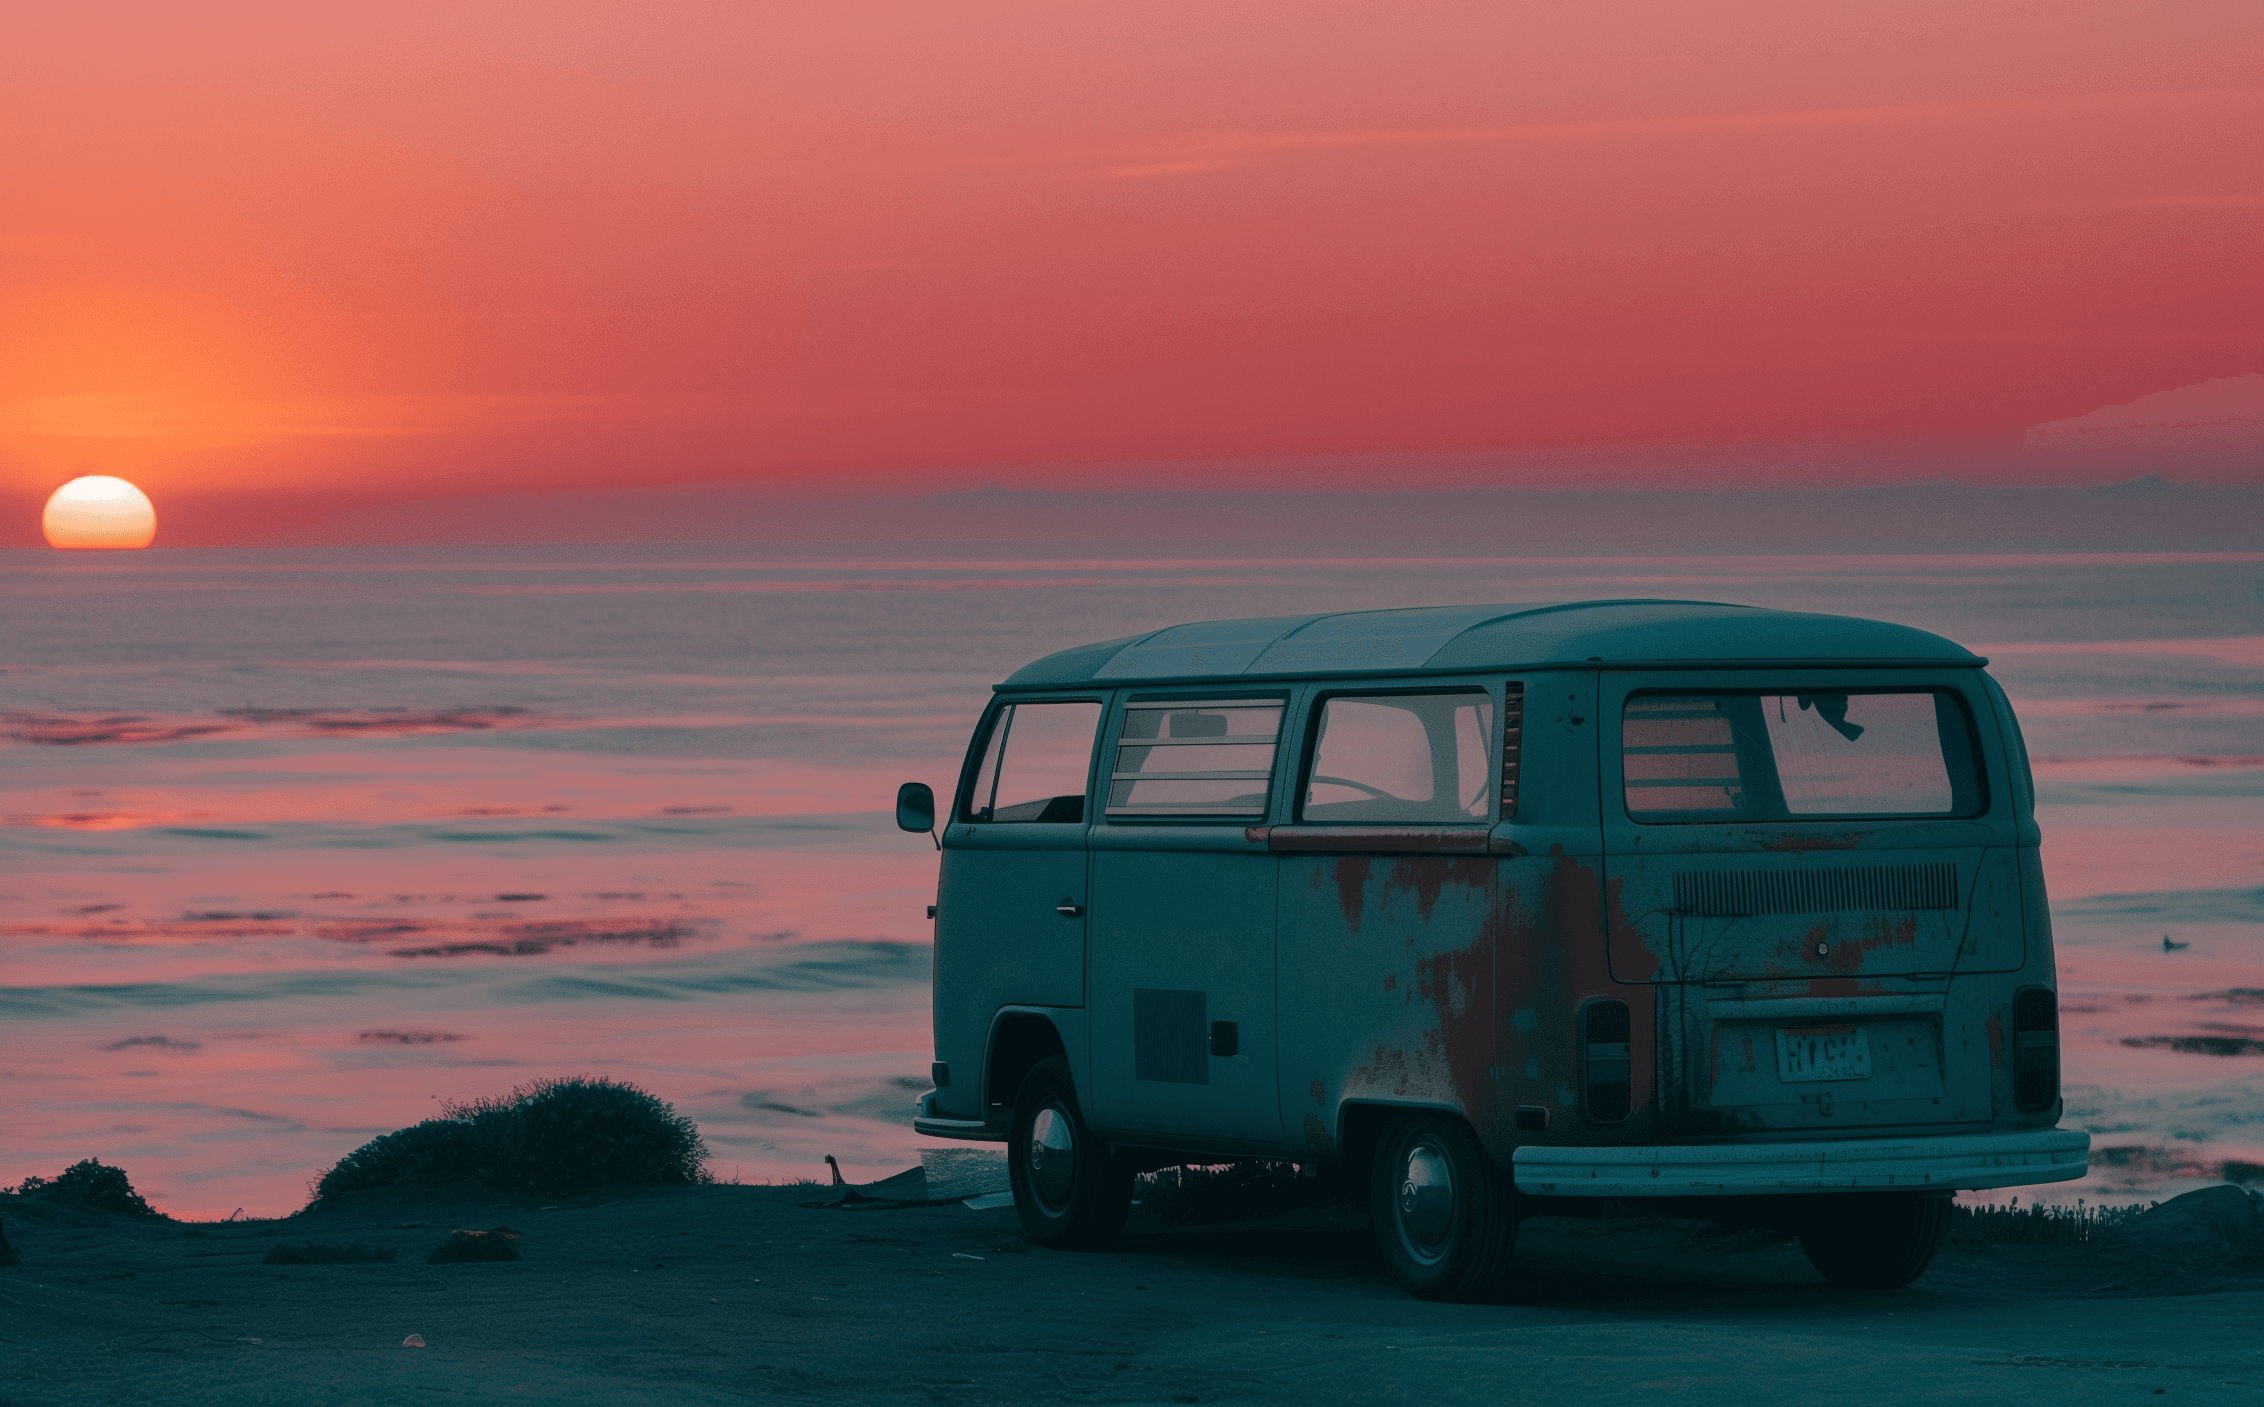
(1071, 1192)
(1875, 1241)
(1445, 1217)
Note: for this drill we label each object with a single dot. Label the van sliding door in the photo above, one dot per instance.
(1388, 898)
(1183, 923)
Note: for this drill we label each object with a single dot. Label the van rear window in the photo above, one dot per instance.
(1763, 756)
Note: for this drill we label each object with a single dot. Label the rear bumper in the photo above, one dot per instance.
(1842, 1165)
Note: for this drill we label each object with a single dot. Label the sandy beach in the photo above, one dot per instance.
(725, 1294)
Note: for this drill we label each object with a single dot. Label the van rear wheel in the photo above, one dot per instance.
(1069, 1189)
(1445, 1217)
(1876, 1241)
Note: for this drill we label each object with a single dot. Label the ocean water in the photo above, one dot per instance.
(300, 845)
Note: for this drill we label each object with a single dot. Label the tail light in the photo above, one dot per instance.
(2035, 1047)
(1607, 1067)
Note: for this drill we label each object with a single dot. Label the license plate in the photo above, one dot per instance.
(1822, 1053)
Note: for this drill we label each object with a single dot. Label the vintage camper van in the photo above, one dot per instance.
(1506, 911)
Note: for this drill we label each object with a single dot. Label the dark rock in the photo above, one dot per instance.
(7, 1252)
(2214, 1228)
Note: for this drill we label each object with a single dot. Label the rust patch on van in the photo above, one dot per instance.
(1848, 955)
(1745, 1043)
(1386, 1070)
(1885, 933)
(1456, 981)
(1457, 1044)
(1317, 1135)
(1553, 925)
(1800, 844)
(1352, 890)
(1391, 981)
(1320, 1093)
(1427, 877)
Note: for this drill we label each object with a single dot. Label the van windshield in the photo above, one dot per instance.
(1035, 763)
(1763, 756)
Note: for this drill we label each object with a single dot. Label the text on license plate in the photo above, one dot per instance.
(1823, 1053)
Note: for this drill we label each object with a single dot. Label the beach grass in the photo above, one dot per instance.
(2037, 1224)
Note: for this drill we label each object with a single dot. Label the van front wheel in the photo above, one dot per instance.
(1069, 1189)
(1875, 1241)
(1444, 1216)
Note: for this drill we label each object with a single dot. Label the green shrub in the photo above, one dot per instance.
(435, 1153)
(578, 1133)
(550, 1137)
(103, 1188)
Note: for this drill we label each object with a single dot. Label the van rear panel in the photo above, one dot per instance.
(1821, 874)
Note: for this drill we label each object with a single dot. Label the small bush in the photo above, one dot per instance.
(577, 1133)
(323, 1253)
(550, 1137)
(435, 1153)
(103, 1188)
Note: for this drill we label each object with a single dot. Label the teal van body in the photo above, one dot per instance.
(1508, 910)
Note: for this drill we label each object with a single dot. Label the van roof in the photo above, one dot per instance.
(1462, 639)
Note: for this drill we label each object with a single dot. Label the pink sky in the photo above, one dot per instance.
(437, 248)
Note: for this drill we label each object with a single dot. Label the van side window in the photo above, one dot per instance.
(1405, 759)
(1736, 756)
(1211, 758)
(1035, 764)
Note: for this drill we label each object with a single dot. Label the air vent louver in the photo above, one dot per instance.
(1751, 893)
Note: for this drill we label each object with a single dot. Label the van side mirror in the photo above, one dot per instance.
(915, 807)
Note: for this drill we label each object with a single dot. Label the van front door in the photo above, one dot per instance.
(1183, 925)
(1010, 927)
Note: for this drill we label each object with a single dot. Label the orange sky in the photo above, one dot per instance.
(454, 247)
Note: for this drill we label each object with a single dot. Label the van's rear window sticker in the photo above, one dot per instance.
(1195, 757)
(1403, 759)
(1762, 756)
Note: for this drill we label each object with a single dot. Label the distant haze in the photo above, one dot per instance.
(2147, 514)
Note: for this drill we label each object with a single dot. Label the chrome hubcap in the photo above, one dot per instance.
(1053, 1158)
(1426, 1202)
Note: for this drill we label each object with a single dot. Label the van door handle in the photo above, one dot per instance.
(1069, 910)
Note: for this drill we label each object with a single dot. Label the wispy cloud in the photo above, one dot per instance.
(1201, 152)
(202, 419)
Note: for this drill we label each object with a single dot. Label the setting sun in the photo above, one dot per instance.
(99, 511)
